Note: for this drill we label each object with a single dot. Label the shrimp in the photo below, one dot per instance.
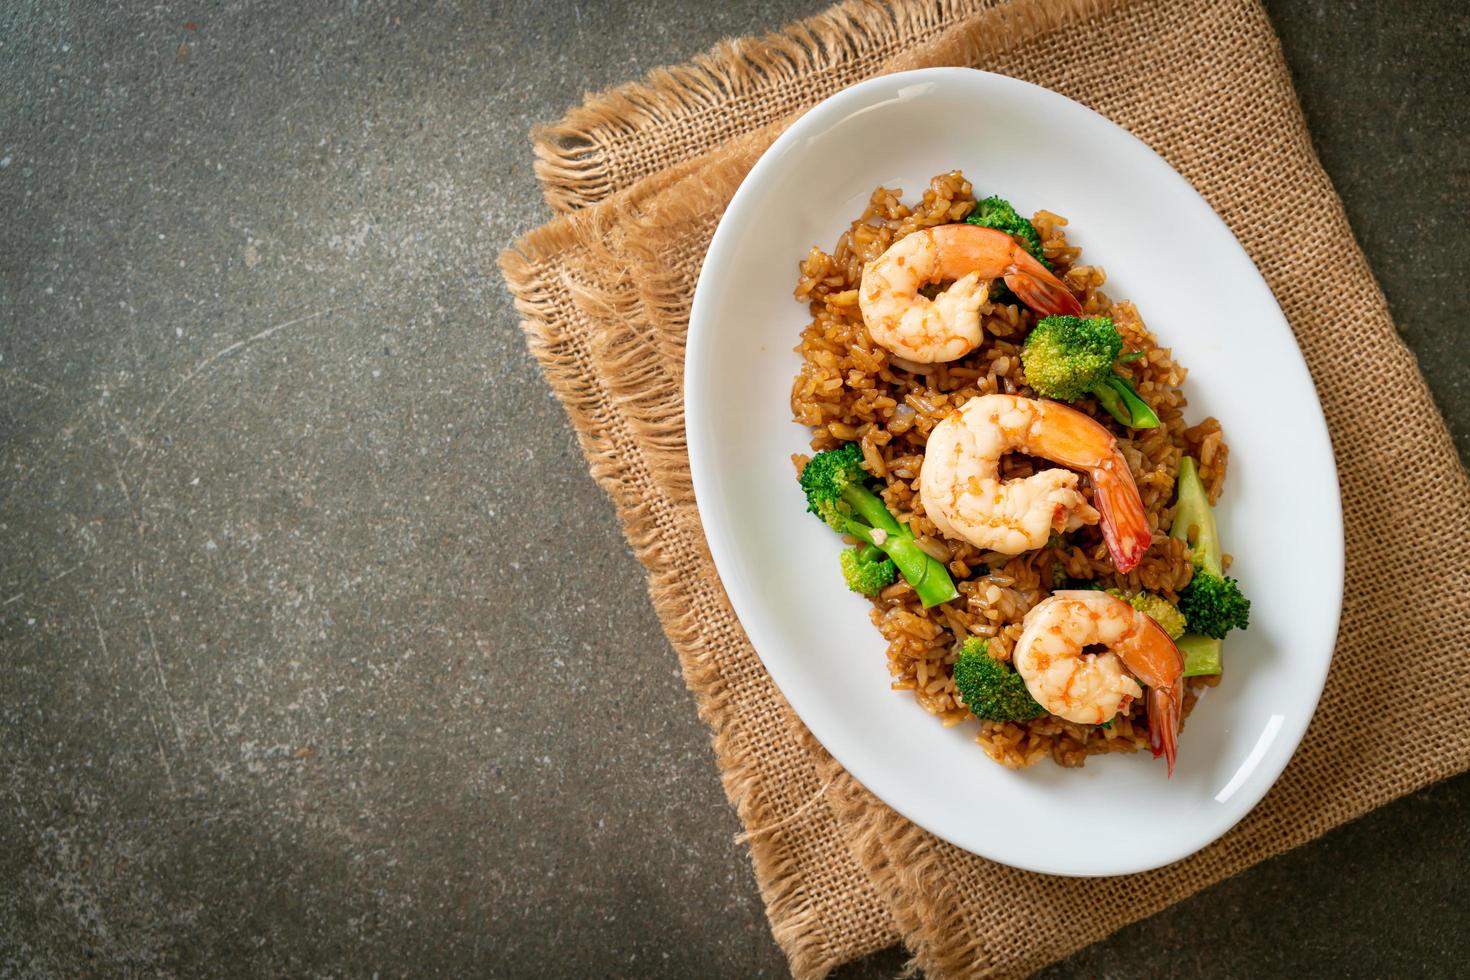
(1090, 688)
(960, 485)
(948, 327)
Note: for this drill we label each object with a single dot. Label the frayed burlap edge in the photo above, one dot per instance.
(742, 85)
(573, 155)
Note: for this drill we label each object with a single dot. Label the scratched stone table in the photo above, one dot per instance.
(321, 652)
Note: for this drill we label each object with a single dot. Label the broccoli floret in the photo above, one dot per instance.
(867, 570)
(834, 484)
(1067, 357)
(1157, 608)
(1212, 603)
(996, 212)
(826, 479)
(1161, 611)
(991, 689)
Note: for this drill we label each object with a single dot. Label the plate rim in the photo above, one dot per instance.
(697, 411)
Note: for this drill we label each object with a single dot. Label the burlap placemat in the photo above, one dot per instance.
(645, 172)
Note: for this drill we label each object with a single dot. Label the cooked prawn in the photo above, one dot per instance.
(948, 326)
(963, 494)
(1090, 688)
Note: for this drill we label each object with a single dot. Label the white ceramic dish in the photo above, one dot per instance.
(1164, 248)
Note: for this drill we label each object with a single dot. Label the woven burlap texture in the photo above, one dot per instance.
(645, 172)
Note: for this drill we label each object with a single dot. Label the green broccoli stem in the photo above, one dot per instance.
(1194, 511)
(1142, 415)
(870, 507)
(1119, 399)
(1111, 401)
(1201, 654)
(930, 579)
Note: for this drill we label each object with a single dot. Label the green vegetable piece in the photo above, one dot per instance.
(1192, 512)
(1212, 603)
(1161, 611)
(1139, 414)
(1157, 608)
(991, 689)
(834, 483)
(1201, 654)
(996, 212)
(867, 570)
(1070, 357)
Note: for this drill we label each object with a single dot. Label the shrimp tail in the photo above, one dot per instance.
(1124, 524)
(1038, 288)
(1164, 709)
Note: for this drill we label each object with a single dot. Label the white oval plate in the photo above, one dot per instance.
(1164, 248)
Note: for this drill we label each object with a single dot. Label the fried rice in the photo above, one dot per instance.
(851, 390)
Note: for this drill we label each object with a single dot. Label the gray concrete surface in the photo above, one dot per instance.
(322, 654)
